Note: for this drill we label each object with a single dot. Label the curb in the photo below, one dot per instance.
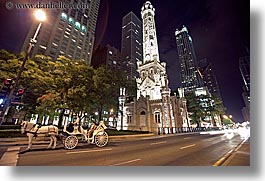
(24, 140)
(228, 154)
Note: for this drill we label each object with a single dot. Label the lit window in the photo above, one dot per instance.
(64, 16)
(110, 52)
(83, 28)
(71, 20)
(43, 47)
(55, 44)
(77, 25)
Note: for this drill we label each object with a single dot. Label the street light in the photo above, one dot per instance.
(225, 116)
(41, 17)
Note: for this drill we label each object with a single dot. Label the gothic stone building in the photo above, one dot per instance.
(153, 109)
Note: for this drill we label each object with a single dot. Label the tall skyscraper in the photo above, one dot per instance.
(209, 78)
(131, 43)
(190, 75)
(244, 67)
(68, 32)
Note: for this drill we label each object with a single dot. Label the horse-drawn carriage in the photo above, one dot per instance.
(70, 136)
(95, 135)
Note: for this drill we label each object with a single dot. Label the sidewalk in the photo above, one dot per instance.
(240, 156)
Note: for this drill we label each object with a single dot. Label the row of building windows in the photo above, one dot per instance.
(71, 21)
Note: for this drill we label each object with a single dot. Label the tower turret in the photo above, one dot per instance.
(150, 46)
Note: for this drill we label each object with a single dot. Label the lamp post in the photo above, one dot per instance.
(41, 17)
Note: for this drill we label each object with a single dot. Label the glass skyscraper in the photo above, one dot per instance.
(131, 43)
(190, 75)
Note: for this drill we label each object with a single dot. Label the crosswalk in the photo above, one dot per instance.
(10, 157)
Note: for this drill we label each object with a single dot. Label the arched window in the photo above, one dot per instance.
(151, 71)
(157, 117)
(142, 113)
(129, 118)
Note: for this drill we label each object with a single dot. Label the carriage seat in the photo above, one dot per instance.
(70, 127)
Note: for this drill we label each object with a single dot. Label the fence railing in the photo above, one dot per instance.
(174, 130)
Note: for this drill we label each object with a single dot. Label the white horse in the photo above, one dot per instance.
(34, 130)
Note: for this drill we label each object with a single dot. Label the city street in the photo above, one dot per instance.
(172, 150)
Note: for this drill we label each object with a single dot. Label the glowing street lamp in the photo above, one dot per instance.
(225, 116)
(41, 17)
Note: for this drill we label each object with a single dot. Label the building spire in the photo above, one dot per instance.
(150, 46)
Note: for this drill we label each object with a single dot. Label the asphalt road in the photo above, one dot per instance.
(174, 150)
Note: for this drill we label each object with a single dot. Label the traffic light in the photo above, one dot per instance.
(5, 90)
(19, 95)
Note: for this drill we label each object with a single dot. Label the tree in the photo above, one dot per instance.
(71, 87)
(194, 108)
(53, 86)
(33, 80)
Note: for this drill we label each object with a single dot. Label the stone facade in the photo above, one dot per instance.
(165, 115)
(153, 109)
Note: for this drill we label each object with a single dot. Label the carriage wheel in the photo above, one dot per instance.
(101, 139)
(70, 142)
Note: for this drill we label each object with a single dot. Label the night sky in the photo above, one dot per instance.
(220, 30)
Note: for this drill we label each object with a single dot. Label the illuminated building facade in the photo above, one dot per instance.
(131, 43)
(244, 67)
(68, 32)
(153, 109)
(209, 78)
(190, 75)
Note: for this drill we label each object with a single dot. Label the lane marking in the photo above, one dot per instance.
(88, 151)
(123, 163)
(187, 146)
(162, 142)
(10, 157)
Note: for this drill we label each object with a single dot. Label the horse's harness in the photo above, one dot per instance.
(32, 132)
